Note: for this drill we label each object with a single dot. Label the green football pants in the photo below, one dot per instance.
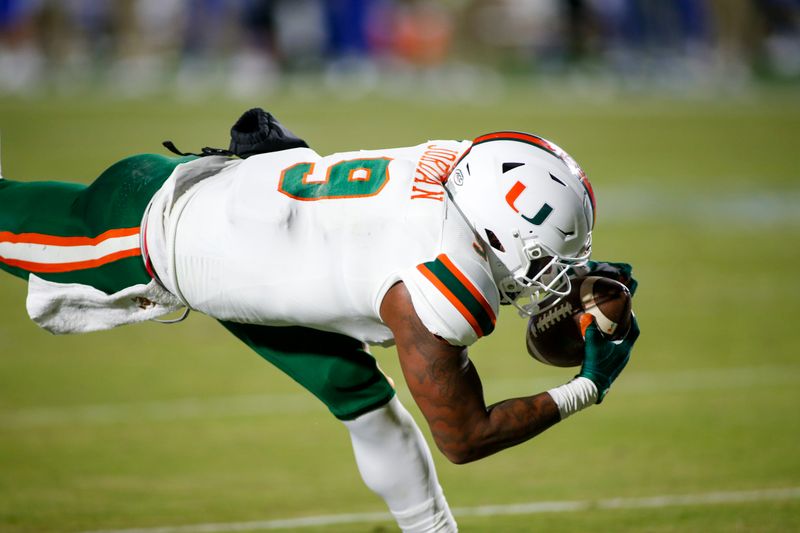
(333, 367)
(73, 233)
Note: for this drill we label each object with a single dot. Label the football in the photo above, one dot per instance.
(554, 336)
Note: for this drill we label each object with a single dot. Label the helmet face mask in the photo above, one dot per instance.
(533, 207)
(545, 283)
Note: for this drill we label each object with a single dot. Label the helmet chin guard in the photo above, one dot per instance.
(548, 280)
(532, 205)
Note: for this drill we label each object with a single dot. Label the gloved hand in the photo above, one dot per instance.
(617, 271)
(604, 359)
(258, 132)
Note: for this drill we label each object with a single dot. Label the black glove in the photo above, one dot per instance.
(258, 132)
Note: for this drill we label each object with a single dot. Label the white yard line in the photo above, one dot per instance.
(275, 404)
(653, 502)
(165, 410)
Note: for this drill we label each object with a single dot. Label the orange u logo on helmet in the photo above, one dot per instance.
(536, 219)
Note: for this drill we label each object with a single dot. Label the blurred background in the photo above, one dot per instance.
(685, 114)
(246, 47)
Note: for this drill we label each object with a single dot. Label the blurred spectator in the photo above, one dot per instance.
(422, 33)
(21, 62)
(668, 43)
(347, 31)
(246, 46)
(779, 37)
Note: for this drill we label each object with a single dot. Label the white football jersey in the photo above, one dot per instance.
(294, 238)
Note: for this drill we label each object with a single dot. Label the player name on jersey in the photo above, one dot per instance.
(432, 170)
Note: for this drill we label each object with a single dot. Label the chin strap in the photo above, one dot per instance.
(540, 300)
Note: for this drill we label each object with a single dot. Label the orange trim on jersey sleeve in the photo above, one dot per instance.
(469, 286)
(451, 298)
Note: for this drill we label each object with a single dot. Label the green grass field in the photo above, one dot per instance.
(154, 426)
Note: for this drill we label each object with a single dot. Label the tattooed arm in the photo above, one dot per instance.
(448, 390)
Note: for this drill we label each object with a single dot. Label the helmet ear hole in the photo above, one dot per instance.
(494, 242)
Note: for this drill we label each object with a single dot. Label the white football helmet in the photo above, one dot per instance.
(533, 208)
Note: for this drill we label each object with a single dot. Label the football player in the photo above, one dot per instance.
(310, 259)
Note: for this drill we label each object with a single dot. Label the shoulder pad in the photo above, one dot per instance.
(455, 298)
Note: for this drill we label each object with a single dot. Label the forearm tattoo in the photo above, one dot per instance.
(448, 390)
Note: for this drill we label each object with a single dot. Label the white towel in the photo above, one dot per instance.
(75, 308)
